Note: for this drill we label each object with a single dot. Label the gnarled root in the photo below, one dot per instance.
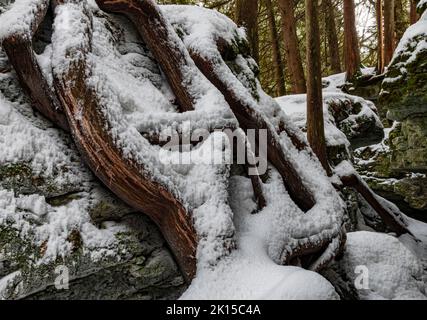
(125, 177)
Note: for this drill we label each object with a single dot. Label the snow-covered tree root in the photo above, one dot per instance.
(17, 43)
(311, 252)
(124, 176)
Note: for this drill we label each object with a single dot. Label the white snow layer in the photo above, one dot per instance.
(19, 18)
(410, 45)
(296, 107)
(392, 270)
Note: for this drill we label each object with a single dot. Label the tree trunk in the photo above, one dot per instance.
(351, 43)
(389, 44)
(275, 47)
(413, 15)
(20, 53)
(293, 56)
(331, 31)
(246, 15)
(124, 177)
(401, 20)
(380, 28)
(315, 121)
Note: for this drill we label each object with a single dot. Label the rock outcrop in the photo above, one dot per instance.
(397, 170)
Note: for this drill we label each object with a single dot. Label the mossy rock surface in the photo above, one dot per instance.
(404, 90)
(408, 143)
(137, 267)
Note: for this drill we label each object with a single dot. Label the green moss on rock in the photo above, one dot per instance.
(404, 91)
(408, 143)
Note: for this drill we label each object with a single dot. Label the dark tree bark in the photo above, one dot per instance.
(293, 56)
(275, 47)
(20, 53)
(389, 40)
(413, 15)
(246, 15)
(315, 121)
(380, 27)
(401, 22)
(351, 43)
(331, 31)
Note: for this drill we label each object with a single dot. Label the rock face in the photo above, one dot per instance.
(62, 234)
(404, 155)
(396, 169)
(404, 96)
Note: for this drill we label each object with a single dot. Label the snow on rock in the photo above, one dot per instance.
(296, 107)
(404, 89)
(349, 120)
(409, 45)
(393, 271)
(422, 5)
(46, 202)
(37, 152)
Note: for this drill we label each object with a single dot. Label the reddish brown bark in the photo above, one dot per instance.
(351, 43)
(380, 27)
(293, 56)
(413, 15)
(315, 121)
(246, 15)
(304, 254)
(389, 40)
(331, 30)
